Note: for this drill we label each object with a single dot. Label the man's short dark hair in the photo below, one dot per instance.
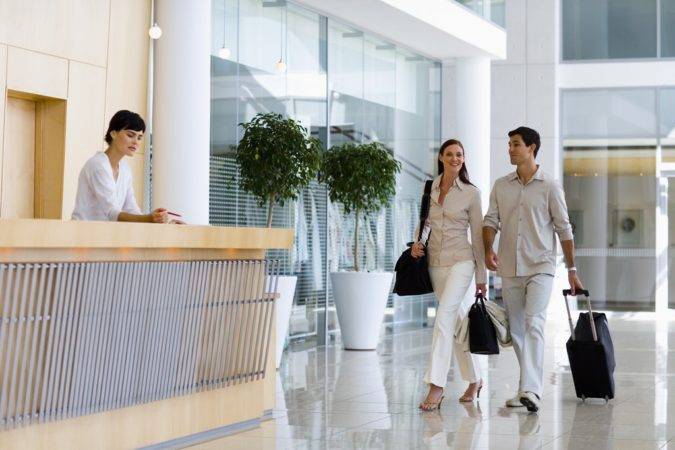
(124, 120)
(529, 136)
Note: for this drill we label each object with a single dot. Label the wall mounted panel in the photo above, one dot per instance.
(85, 126)
(37, 73)
(72, 29)
(127, 69)
(137, 166)
(3, 97)
(18, 171)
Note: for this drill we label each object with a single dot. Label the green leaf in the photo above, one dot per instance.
(360, 177)
(276, 157)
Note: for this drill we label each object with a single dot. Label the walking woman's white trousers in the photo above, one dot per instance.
(450, 287)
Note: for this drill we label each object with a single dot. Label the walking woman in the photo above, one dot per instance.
(455, 207)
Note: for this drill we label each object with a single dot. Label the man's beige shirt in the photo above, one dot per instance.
(448, 224)
(528, 217)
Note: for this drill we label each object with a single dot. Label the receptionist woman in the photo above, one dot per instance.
(104, 187)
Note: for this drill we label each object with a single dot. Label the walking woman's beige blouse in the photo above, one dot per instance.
(447, 226)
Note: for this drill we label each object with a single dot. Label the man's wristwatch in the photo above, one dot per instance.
(572, 269)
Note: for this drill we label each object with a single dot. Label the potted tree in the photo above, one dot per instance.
(277, 159)
(362, 178)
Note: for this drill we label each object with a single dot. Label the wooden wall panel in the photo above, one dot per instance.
(84, 126)
(18, 172)
(3, 98)
(35, 140)
(49, 154)
(70, 29)
(36, 73)
(127, 69)
(146, 424)
(92, 53)
(137, 166)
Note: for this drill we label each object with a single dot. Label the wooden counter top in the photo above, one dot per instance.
(50, 234)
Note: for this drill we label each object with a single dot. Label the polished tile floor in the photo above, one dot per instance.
(330, 398)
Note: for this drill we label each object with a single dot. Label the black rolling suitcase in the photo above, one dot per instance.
(591, 353)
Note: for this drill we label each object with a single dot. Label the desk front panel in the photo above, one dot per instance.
(80, 338)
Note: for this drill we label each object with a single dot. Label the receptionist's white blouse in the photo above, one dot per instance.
(99, 196)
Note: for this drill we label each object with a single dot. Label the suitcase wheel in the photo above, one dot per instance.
(583, 398)
(606, 399)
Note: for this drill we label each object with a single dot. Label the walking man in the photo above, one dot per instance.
(528, 208)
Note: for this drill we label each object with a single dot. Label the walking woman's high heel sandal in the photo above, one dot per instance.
(466, 398)
(432, 406)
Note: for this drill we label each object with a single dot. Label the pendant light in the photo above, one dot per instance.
(224, 52)
(155, 32)
(281, 66)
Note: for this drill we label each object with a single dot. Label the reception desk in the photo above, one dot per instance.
(132, 335)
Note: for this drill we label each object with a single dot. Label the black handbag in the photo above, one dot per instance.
(482, 333)
(412, 274)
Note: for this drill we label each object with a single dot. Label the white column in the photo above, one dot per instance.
(466, 115)
(181, 120)
(661, 288)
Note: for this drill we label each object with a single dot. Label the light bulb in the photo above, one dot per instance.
(280, 65)
(155, 31)
(224, 52)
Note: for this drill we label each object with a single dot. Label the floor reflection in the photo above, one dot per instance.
(328, 398)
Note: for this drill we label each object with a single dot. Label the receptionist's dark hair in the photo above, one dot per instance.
(124, 120)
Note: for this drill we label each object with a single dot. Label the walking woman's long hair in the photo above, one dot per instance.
(463, 173)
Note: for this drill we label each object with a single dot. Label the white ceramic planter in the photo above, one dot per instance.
(360, 299)
(284, 306)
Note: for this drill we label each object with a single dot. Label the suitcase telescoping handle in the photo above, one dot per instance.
(567, 292)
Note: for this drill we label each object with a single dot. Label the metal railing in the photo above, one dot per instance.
(79, 338)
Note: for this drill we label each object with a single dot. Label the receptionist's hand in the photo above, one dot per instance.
(159, 216)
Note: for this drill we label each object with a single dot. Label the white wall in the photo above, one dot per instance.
(524, 85)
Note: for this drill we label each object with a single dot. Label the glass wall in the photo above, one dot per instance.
(493, 10)
(667, 122)
(667, 28)
(617, 29)
(616, 142)
(378, 92)
(344, 86)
